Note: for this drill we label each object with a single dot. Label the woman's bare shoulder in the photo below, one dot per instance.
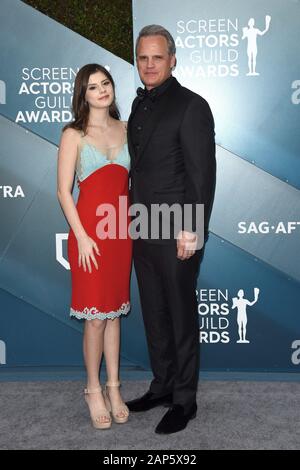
(71, 135)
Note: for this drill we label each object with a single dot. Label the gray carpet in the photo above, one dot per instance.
(231, 415)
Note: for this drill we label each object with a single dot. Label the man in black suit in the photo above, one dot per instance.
(172, 148)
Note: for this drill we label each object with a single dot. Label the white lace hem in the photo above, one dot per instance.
(93, 312)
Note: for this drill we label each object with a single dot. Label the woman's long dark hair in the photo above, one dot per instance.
(80, 107)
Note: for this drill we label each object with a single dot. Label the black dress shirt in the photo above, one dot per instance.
(148, 100)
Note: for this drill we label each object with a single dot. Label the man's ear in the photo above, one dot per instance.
(173, 62)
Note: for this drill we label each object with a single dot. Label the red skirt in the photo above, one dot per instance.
(103, 293)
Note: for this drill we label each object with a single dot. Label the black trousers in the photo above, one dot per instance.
(168, 298)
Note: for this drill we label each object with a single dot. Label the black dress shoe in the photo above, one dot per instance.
(148, 401)
(176, 419)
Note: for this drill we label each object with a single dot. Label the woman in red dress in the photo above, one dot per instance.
(94, 148)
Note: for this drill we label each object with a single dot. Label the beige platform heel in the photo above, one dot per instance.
(122, 409)
(97, 421)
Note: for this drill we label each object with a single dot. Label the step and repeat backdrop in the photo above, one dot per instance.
(243, 58)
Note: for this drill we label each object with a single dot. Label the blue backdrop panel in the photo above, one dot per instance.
(255, 221)
(273, 323)
(38, 66)
(255, 115)
(34, 338)
(254, 211)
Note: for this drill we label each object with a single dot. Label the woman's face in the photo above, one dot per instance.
(99, 93)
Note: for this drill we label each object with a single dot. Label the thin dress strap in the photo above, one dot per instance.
(78, 159)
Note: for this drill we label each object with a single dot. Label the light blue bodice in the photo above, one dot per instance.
(90, 159)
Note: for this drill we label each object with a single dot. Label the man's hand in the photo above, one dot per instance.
(186, 244)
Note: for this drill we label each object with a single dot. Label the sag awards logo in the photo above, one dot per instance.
(214, 308)
(60, 238)
(51, 90)
(295, 98)
(2, 352)
(250, 33)
(296, 352)
(268, 227)
(11, 192)
(213, 46)
(2, 92)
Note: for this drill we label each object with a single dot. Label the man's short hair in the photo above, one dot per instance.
(157, 30)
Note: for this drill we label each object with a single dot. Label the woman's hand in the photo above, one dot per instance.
(86, 247)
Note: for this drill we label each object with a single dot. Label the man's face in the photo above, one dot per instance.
(154, 62)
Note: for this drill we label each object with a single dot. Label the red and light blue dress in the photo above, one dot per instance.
(103, 178)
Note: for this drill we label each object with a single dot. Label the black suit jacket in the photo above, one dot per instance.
(176, 160)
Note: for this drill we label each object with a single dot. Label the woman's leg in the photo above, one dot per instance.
(112, 359)
(93, 341)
